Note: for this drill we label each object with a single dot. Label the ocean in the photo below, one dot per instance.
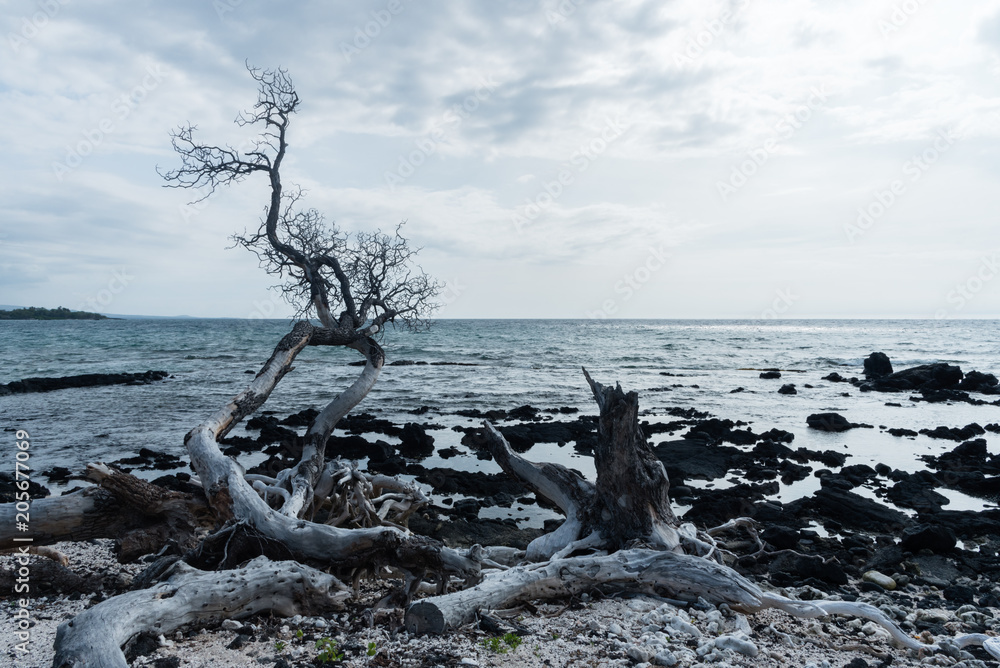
(514, 362)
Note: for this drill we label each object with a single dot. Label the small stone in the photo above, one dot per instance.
(738, 645)
(615, 629)
(665, 659)
(882, 580)
(638, 654)
(931, 617)
(231, 625)
(468, 661)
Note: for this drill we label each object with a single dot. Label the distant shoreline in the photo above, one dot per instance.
(60, 313)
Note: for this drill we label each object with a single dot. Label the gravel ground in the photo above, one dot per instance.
(582, 632)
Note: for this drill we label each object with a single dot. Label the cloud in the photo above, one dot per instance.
(507, 95)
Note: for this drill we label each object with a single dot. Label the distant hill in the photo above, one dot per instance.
(37, 313)
(110, 316)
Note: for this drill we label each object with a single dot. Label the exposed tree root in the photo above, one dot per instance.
(233, 497)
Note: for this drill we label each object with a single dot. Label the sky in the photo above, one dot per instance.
(570, 159)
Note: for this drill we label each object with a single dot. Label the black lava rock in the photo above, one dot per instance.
(975, 381)
(790, 569)
(770, 375)
(959, 594)
(693, 459)
(777, 436)
(301, 419)
(935, 538)
(782, 538)
(468, 508)
(877, 365)
(937, 376)
(955, 433)
(415, 441)
(525, 413)
(28, 385)
(829, 422)
(855, 511)
(787, 388)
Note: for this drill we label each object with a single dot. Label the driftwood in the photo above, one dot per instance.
(244, 510)
(627, 503)
(140, 515)
(94, 637)
(232, 497)
(627, 506)
(677, 576)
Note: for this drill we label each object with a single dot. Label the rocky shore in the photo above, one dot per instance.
(877, 534)
(28, 385)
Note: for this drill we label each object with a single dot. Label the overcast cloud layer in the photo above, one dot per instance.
(558, 159)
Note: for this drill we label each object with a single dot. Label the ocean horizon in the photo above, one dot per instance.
(504, 364)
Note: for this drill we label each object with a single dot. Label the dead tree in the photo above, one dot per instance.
(355, 287)
(632, 540)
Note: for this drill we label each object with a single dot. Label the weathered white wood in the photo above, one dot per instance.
(631, 500)
(232, 497)
(94, 638)
(122, 505)
(820, 608)
(629, 479)
(79, 516)
(675, 575)
(305, 475)
(563, 487)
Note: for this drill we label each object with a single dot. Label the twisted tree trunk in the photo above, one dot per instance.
(95, 637)
(233, 498)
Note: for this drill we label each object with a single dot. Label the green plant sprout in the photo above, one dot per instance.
(328, 650)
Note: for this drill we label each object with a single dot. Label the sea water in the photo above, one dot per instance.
(505, 364)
